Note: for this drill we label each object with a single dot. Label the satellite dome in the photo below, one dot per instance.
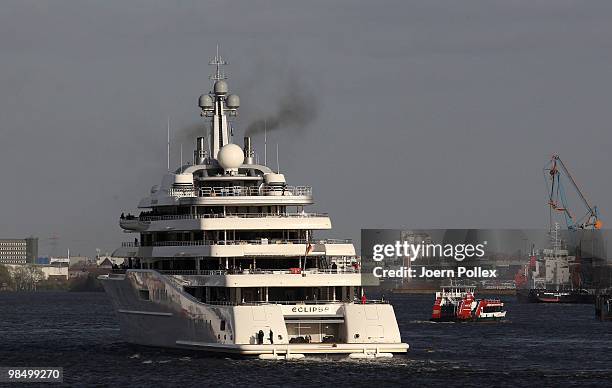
(233, 101)
(205, 101)
(221, 87)
(230, 156)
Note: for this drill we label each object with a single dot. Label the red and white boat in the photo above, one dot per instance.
(458, 304)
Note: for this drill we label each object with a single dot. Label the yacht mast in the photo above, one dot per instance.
(217, 104)
(219, 129)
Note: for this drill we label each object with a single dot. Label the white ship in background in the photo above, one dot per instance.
(226, 260)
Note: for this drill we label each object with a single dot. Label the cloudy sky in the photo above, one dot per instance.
(426, 113)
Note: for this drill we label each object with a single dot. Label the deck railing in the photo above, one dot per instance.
(295, 302)
(235, 242)
(129, 244)
(285, 271)
(241, 191)
(234, 215)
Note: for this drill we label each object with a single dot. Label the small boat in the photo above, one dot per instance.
(458, 304)
(575, 296)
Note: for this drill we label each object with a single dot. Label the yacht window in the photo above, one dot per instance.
(222, 325)
(144, 294)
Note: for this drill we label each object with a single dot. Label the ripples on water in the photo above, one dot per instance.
(545, 345)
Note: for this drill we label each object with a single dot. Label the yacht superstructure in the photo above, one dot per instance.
(225, 259)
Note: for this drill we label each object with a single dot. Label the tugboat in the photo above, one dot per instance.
(458, 304)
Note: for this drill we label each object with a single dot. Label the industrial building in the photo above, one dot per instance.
(18, 251)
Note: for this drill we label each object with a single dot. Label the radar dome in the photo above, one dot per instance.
(221, 87)
(205, 101)
(230, 156)
(233, 101)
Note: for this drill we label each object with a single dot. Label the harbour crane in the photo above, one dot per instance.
(557, 172)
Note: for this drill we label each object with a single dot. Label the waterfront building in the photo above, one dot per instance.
(18, 251)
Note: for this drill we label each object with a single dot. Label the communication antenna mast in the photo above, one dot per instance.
(265, 143)
(218, 61)
(53, 242)
(218, 105)
(277, 165)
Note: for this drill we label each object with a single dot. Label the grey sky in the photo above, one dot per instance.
(430, 113)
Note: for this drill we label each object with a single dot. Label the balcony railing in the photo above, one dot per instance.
(241, 191)
(234, 215)
(128, 244)
(295, 302)
(224, 272)
(262, 241)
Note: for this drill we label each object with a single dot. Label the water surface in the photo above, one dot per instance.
(545, 345)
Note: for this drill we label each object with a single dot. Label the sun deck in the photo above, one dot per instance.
(271, 278)
(241, 191)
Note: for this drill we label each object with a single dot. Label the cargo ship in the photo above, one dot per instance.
(548, 278)
(553, 275)
(458, 304)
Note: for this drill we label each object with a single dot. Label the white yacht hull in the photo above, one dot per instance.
(153, 310)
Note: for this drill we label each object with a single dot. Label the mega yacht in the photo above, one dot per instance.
(224, 258)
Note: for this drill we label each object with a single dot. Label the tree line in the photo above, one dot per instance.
(20, 278)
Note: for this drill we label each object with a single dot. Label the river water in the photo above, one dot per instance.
(544, 345)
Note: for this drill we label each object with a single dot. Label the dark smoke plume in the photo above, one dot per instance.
(187, 134)
(296, 110)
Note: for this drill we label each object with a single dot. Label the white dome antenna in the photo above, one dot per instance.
(230, 158)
